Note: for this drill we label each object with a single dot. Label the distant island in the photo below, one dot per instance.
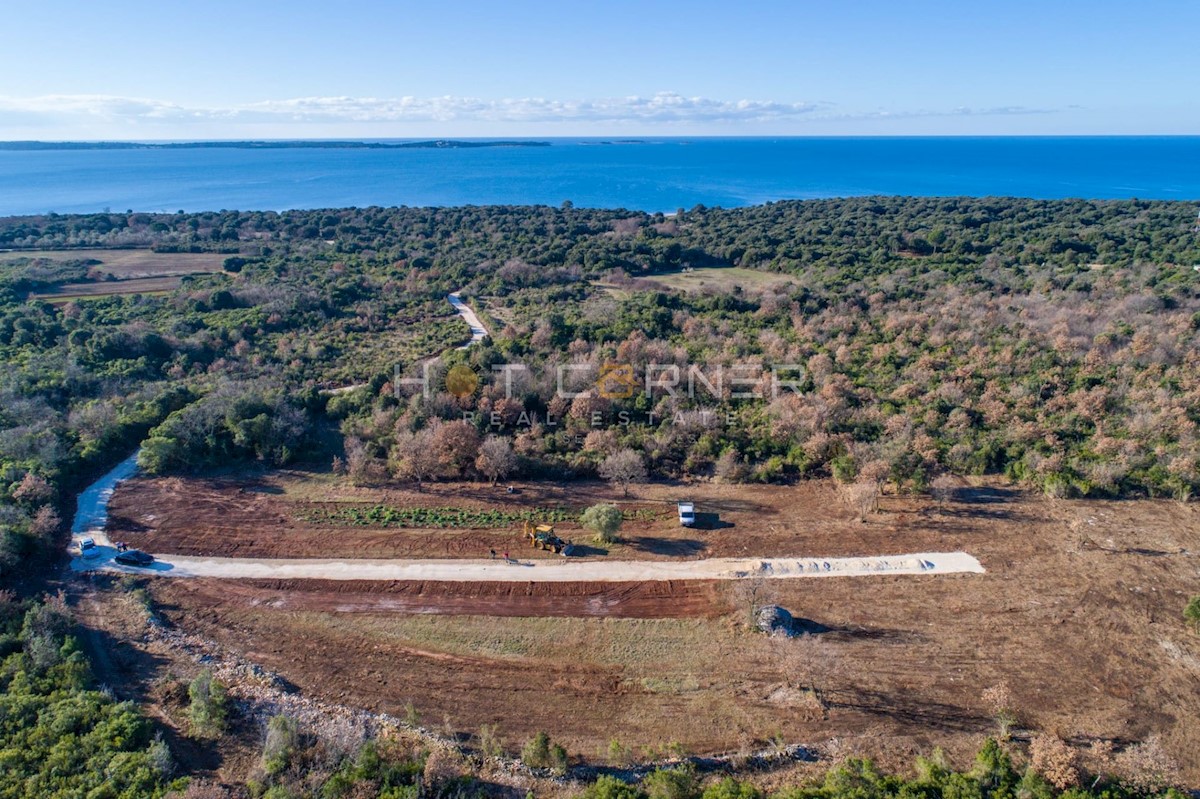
(440, 144)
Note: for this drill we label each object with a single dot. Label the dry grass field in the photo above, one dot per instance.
(124, 271)
(129, 264)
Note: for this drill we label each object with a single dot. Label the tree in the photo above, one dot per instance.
(413, 456)
(541, 752)
(456, 445)
(1000, 702)
(496, 459)
(942, 488)
(1192, 613)
(607, 786)
(209, 705)
(604, 520)
(671, 783)
(729, 788)
(623, 469)
(1055, 760)
(33, 489)
(861, 496)
(282, 739)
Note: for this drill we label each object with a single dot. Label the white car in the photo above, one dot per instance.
(88, 548)
(687, 514)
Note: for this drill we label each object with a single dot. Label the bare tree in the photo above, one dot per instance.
(749, 595)
(942, 488)
(414, 457)
(809, 664)
(730, 468)
(623, 469)
(1003, 707)
(1147, 767)
(363, 467)
(496, 459)
(861, 496)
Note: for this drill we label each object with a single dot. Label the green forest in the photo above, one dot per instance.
(1053, 342)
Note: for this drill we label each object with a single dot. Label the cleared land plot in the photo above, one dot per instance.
(1079, 613)
(307, 514)
(129, 264)
(124, 271)
(722, 279)
(107, 288)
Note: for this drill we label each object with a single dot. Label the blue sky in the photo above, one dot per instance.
(218, 69)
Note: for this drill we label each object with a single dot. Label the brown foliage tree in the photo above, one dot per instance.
(623, 469)
(496, 459)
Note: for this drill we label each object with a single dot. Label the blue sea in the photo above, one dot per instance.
(648, 174)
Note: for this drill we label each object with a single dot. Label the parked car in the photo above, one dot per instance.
(88, 548)
(134, 557)
(687, 514)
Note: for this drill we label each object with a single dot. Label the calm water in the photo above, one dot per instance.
(655, 175)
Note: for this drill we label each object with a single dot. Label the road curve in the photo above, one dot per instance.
(478, 331)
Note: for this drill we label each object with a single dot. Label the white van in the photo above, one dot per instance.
(687, 514)
(88, 548)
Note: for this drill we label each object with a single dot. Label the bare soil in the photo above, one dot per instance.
(640, 600)
(270, 515)
(1079, 615)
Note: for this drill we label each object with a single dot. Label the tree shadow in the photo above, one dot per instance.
(880, 634)
(801, 626)
(674, 547)
(262, 488)
(979, 502)
(586, 550)
(984, 495)
(914, 710)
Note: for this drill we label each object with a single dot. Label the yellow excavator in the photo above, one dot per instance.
(542, 536)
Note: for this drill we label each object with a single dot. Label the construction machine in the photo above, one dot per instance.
(542, 536)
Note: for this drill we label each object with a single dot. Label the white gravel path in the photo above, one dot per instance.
(92, 516)
(478, 331)
(551, 571)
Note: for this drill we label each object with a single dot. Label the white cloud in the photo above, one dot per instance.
(80, 116)
(665, 107)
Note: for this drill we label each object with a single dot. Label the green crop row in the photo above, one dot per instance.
(391, 516)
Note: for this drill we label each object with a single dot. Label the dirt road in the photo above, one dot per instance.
(92, 515)
(515, 570)
(478, 331)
